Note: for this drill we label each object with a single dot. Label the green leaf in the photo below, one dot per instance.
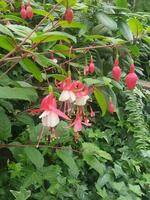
(43, 13)
(6, 43)
(107, 21)
(35, 157)
(100, 98)
(94, 163)
(53, 36)
(31, 67)
(67, 3)
(21, 31)
(135, 26)
(66, 156)
(121, 3)
(6, 31)
(5, 126)
(136, 189)
(126, 31)
(91, 81)
(65, 24)
(92, 149)
(28, 94)
(21, 195)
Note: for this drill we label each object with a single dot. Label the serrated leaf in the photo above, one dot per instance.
(100, 98)
(92, 81)
(107, 21)
(121, 3)
(35, 157)
(21, 195)
(43, 13)
(28, 94)
(31, 67)
(66, 156)
(92, 149)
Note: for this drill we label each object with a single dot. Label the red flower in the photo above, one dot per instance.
(91, 66)
(131, 79)
(69, 15)
(23, 12)
(29, 12)
(116, 71)
(111, 107)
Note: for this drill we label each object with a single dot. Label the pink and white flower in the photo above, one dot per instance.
(81, 94)
(67, 87)
(50, 114)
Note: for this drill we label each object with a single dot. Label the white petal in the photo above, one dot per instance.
(53, 119)
(81, 101)
(44, 114)
(64, 96)
(49, 119)
(72, 96)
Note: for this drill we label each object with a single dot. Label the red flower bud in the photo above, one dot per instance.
(131, 78)
(29, 12)
(91, 66)
(69, 15)
(23, 12)
(86, 70)
(116, 71)
(111, 107)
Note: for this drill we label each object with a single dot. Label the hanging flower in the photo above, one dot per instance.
(116, 71)
(86, 70)
(53, 58)
(29, 11)
(81, 93)
(92, 113)
(23, 12)
(69, 15)
(131, 79)
(91, 66)
(111, 107)
(67, 87)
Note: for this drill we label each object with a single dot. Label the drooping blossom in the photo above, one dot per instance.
(50, 114)
(131, 78)
(91, 66)
(29, 11)
(69, 15)
(67, 87)
(111, 107)
(92, 113)
(23, 12)
(81, 94)
(86, 70)
(116, 71)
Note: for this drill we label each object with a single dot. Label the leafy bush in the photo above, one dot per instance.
(108, 157)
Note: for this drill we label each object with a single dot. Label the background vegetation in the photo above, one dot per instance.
(111, 160)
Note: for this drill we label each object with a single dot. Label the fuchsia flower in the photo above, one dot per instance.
(91, 66)
(77, 124)
(116, 71)
(131, 78)
(23, 12)
(50, 115)
(81, 94)
(67, 86)
(111, 107)
(29, 11)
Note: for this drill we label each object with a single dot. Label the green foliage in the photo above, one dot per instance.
(111, 159)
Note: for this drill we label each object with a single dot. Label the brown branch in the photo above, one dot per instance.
(29, 35)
